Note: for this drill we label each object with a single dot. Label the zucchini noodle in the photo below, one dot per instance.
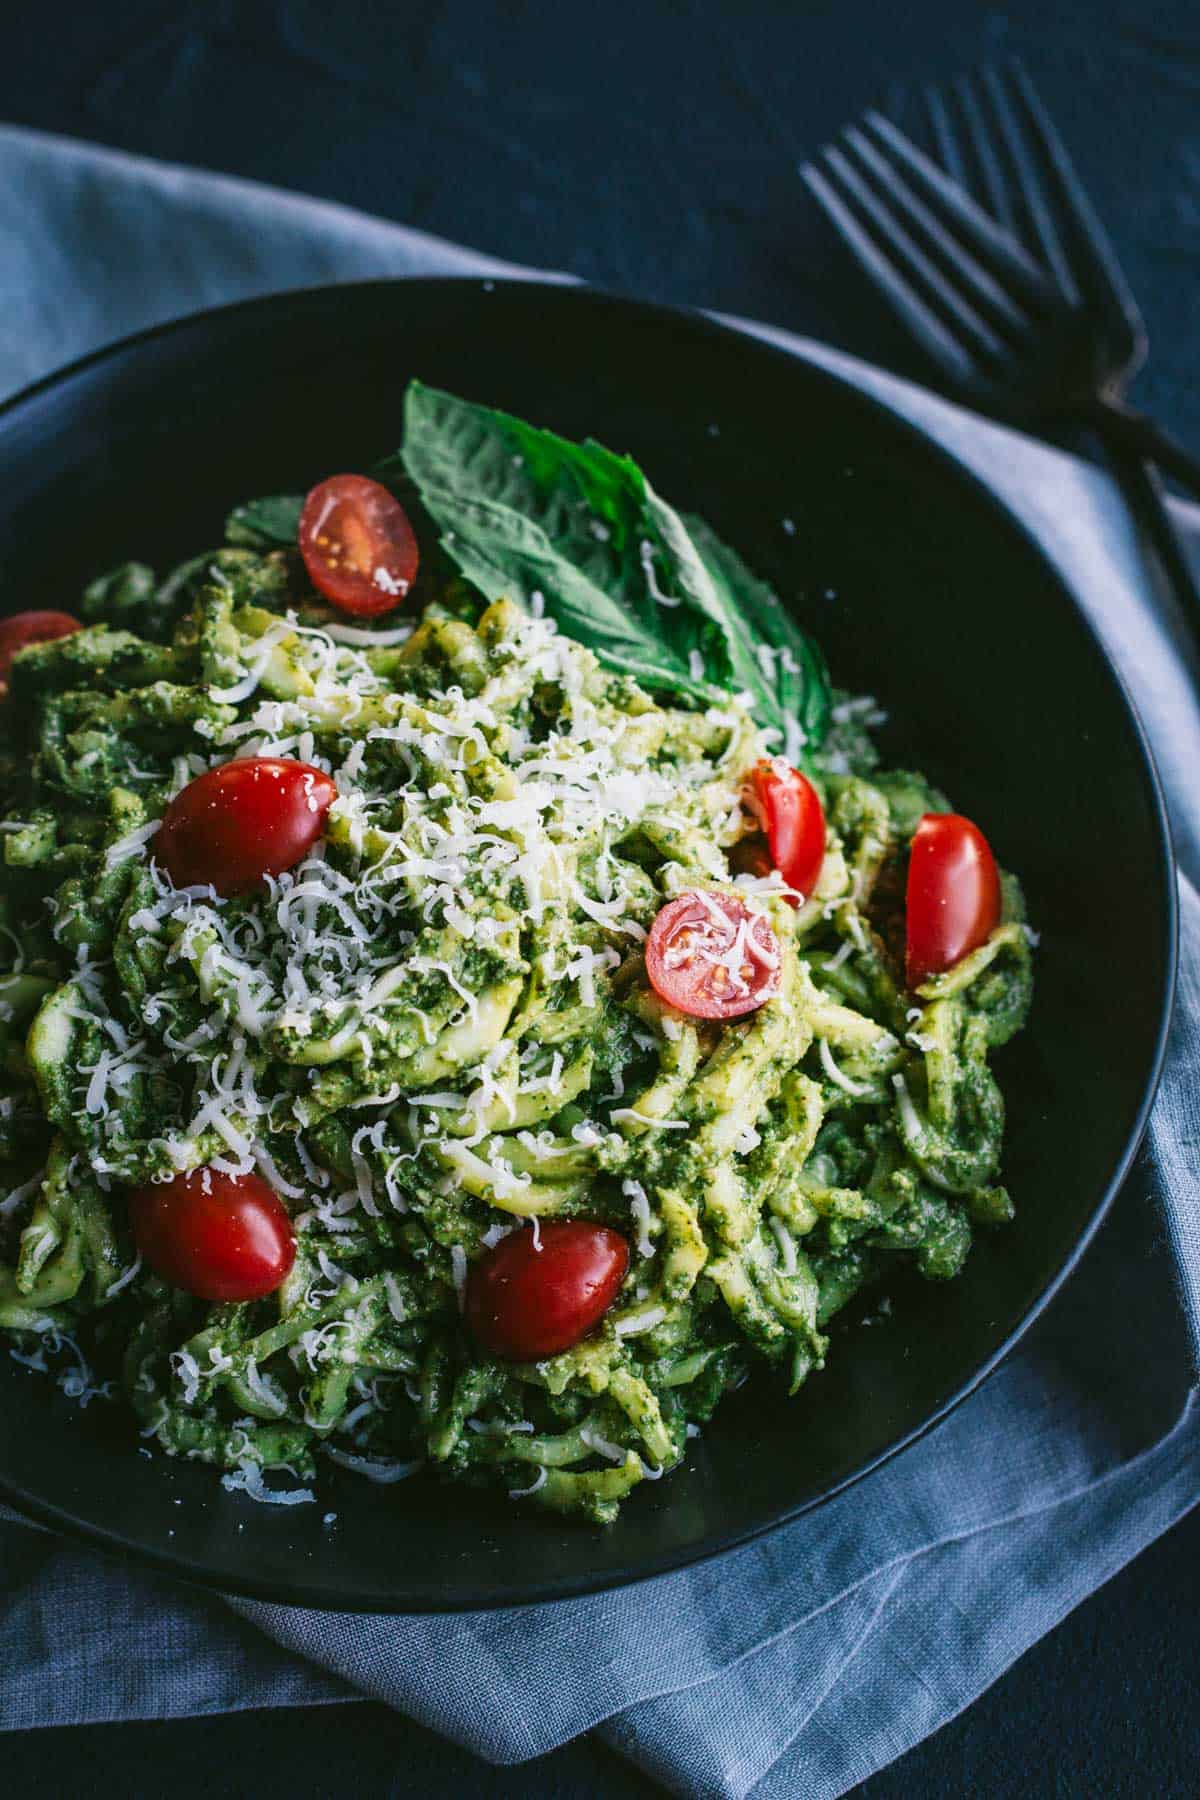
(439, 1026)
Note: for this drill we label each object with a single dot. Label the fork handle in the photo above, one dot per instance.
(1143, 491)
(1123, 425)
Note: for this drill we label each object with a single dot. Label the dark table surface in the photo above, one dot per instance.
(654, 149)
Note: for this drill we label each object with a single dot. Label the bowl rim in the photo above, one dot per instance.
(424, 1598)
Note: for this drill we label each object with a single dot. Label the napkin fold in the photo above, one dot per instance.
(806, 1661)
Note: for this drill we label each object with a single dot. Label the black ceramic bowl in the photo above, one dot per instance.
(924, 591)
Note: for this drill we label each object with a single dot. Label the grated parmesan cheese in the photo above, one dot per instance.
(640, 1208)
(247, 1479)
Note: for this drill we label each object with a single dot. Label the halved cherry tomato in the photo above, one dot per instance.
(953, 899)
(710, 956)
(245, 819)
(31, 628)
(790, 812)
(221, 1237)
(357, 545)
(524, 1302)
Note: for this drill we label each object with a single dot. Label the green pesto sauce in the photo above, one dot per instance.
(440, 1027)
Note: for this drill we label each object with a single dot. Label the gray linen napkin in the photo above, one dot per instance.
(800, 1664)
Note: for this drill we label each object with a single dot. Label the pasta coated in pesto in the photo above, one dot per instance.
(439, 1026)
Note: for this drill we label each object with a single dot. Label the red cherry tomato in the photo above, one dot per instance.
(524, 1303)
(710, 956)
(357, 545)
(953, 899)
(31, 628)
(790, 812)
(222, 1237)
(242, 820)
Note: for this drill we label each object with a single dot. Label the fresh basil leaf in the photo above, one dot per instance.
(523, 513)
(265, 524)
(789, 664)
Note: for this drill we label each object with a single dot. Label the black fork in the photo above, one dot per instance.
(994, 259)
(1030, 184)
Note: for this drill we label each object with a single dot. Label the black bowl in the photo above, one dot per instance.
(925, 592)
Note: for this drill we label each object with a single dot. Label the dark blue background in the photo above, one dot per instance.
(653, 148)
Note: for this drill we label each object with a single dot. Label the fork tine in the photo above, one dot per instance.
(991, 175)
(949, 251)
(1100, 270)
(1023, 158)
(907, 255)
(919, 320)
(991, 244)
(945, 138)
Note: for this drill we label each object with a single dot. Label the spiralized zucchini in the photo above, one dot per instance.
(439, 1026)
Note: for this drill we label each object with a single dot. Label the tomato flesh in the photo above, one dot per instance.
(357, 544)
(218, 1236)
(256, 816)
(789, 810)
(26, 628)
(710, 956)
(750, 856)
(953, 901)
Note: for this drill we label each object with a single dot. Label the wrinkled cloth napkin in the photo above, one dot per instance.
(800, 1664)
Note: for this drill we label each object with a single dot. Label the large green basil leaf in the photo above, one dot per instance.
(525, 513)
(791, 665)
